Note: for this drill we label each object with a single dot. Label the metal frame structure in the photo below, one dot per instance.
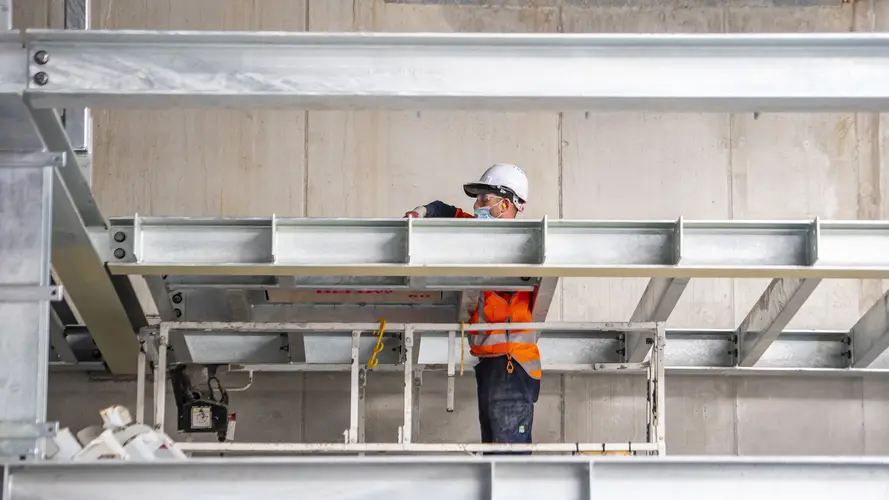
(410, 339)
(47, 76)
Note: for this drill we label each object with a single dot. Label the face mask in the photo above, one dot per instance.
(483, 213)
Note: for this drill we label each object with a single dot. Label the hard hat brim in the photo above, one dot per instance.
(473, 189)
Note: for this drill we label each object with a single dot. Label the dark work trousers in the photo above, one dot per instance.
(505, 401)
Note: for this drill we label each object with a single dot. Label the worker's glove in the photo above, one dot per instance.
(417, 213)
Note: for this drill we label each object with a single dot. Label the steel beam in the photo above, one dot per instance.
(5, 14)
(657, 303)
(108, 305)
(428, 247)
(78, 121)
(26, 197)
(714, 72)
(870, 336)
(770, 315)
(470, 478)
(566, 347)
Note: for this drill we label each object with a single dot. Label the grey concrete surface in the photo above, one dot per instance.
(602, 165)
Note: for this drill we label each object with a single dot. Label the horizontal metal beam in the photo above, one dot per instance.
(516, 248)
(553, 478)
(566, 347)
(750, 72)
(411, 448)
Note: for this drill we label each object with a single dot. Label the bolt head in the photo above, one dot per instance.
(41, 78)
(177, 312)
(177, 298)
(120, 237)
(41, 57)
(120, 253)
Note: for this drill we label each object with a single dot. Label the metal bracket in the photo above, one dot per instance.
(27, 430)
(30, 159)
(27, 293)
(19, 439)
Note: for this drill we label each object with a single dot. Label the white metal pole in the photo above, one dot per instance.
(452, 337)
(362, 385)
(140, 385)
(407, 426)
(160, 376)
(660, 401)
(352, 433)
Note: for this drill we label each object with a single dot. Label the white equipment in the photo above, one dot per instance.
(119, 439)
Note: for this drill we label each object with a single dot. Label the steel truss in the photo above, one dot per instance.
(411, 338)
(195, 264)
(42, 72)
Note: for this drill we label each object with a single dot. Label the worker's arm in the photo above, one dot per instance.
(439, 209)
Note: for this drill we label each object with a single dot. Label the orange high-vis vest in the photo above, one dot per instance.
(520, 344)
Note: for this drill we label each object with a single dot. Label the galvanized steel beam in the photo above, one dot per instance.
(667, 72)
(870, 335)
(26, 198)
(470, 478)
(770, 315)
(517, 248)
(98, 297)
(657, 303)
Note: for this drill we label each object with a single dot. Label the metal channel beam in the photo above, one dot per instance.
(870, 336)
(553, 478)
(97, 295)
(427, 247)
(563, 351)
(26, 197)
(750, 72)
(566, 347)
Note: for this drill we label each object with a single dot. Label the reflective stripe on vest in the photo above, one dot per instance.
(521, 344)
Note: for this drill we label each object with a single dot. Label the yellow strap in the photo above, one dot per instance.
(373, 362)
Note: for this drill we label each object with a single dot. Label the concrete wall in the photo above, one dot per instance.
(582, 165)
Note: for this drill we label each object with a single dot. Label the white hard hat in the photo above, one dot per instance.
(505, 179)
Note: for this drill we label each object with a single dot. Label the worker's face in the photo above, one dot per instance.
(501, 208)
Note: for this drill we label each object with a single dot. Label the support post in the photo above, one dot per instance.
(140, 384)
(362, 386)
(5, 15)
(78, 121)
(354, 399)
(660, 392)
(25, 234)
(407, 426)
(160, 376)
(452, 338)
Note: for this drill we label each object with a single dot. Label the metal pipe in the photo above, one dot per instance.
(140, 386)
(160, 377)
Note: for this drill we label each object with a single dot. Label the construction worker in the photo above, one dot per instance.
(508, 370)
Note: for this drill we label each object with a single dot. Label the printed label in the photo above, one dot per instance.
(200, 417)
